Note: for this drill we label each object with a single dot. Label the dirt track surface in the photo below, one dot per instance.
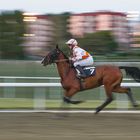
(47, 126)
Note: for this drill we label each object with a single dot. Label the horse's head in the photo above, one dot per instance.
(52, 56)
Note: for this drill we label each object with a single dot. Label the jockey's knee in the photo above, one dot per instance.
(75, 64)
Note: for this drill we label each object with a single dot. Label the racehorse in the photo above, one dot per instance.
(108, 75)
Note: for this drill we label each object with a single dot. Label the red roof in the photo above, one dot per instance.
(101, 13)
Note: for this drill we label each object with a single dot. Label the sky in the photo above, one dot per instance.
(73, 6)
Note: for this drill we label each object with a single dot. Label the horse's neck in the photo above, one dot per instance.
(63, 68)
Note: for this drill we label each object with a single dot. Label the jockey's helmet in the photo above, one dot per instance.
(72, 42)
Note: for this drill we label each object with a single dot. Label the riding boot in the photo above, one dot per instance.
(82, 73)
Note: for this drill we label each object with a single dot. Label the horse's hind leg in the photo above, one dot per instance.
(129, 93)
(130, 96)
(107, 101)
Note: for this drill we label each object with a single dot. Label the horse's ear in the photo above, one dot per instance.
(57, 46)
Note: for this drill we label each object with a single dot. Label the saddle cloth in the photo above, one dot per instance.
(89, 71)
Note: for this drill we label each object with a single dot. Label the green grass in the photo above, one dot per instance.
(18, 103)
(14, 103)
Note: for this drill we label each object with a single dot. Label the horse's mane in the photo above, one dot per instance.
(65, 57)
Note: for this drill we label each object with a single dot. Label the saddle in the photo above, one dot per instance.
(88, 70)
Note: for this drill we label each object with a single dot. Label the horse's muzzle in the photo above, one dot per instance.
(42, 62)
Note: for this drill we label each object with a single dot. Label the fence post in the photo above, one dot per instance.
(54, 93)
(9, 92)
(122, 101)
(39, 98)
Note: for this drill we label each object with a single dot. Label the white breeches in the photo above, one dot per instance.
(84, 62)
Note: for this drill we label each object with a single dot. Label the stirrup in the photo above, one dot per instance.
(83, 76)
(80, 76)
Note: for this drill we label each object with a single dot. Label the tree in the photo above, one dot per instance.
(101, 42)
(60, 27)
(11, 32)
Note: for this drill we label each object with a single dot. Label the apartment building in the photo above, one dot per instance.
(39, 33)
(80, 24)
(135, 41)
(133, 18)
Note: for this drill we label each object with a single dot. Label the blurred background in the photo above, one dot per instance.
(27, 33)
(28, 36)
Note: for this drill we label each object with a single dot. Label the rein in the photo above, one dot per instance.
(62, 60)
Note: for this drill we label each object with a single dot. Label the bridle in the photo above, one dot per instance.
(52, 57)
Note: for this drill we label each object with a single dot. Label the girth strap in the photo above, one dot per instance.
(81, 82)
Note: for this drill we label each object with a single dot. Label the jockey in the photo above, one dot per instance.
(79, 57)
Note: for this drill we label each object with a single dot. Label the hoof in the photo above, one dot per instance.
(76, 102)
(98, 109)
(135, 105)
(67, 100)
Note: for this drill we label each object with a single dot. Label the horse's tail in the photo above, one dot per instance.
(134, 72)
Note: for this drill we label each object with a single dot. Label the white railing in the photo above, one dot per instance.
(39, 92)
(39, 100)
(30, 84)
(42, 78)
(52, 84)
(23, 77)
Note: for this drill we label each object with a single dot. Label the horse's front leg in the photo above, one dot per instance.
(67, 101)
(68, 94)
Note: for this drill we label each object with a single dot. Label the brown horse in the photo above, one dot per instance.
(107, 75)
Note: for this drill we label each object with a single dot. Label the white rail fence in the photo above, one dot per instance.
(52, 84)
(39, 92)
